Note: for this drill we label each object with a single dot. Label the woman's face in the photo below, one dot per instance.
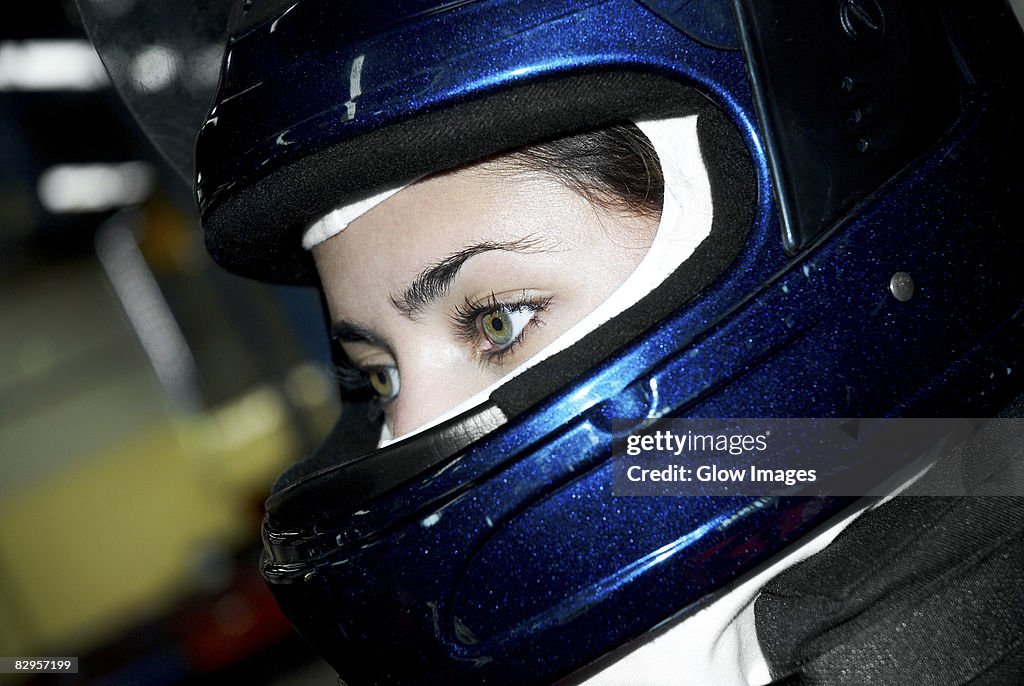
(449, 284)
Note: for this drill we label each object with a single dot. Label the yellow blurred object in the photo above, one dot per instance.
(239, 445)
(117, 498)
(119, 535)
(169, 243)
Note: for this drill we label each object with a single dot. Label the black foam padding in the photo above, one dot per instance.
(734, 194)
(354, 434)
(256, 231)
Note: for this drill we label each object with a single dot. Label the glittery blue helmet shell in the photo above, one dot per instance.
(848, 143)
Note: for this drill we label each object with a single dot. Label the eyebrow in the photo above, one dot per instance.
(347, 332)
(434, 281)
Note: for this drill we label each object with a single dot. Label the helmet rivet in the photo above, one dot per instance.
(862, 19)
(901, 285)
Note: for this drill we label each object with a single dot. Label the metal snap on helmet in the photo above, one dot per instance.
(864, 261)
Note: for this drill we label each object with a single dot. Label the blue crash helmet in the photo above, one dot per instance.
(847, 142)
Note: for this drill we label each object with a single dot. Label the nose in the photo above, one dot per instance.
(429, 386)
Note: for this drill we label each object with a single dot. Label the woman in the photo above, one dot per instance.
(400, 145)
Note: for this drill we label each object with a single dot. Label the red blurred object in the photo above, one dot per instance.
(237, 624)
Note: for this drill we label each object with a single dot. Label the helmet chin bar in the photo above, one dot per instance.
(489, 549)
(348, 484)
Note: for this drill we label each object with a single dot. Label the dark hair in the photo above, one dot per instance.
(615, 167)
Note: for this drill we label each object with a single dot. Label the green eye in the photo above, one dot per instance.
(503, 325)
(497, 325)
(384, 381)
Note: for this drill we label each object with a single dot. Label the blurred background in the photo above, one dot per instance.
(147, 398)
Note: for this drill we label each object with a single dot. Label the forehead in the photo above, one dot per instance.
(429, 220)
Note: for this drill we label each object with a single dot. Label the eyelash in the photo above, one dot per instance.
(353, 379)
(466, 320)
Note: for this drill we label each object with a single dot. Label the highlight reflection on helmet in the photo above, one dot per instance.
(401, 146)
